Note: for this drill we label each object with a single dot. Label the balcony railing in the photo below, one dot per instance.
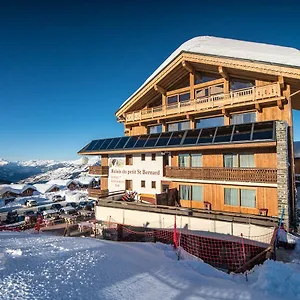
(98, 170)
(97, 193)
(219, 100)
(260, 175)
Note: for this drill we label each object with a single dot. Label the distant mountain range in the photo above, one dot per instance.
(34, 171)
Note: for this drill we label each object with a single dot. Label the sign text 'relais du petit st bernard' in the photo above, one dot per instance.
(135, 171)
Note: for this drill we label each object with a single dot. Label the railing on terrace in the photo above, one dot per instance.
(261, 175)
(219, 100)
(98, 170)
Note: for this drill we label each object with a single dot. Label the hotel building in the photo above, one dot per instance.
(214, 122)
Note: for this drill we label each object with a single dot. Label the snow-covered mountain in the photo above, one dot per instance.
(33, 171)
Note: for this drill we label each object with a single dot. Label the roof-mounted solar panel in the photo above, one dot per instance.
(176, 138)
(131, 142)
(91, 145)
(206, 136)
(263, 131)
(114, 142)
(191, 137)
(152, 140)
(242, 132)
(223, 134)
(142, 141)
(122, 142)
(163, 139)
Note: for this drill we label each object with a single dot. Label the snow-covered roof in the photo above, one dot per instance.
(61, 182)
(45, 187)
(215, 46)
(85, 180)
(15, 188)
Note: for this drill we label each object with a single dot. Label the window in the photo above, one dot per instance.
(204, 79)
(196, 160)
(179, 126)
(248, 198)
(240, 84)
(197, 194)
(143, 157)
(240, 197)
(184, 160)
(128, 185)
(246, 160)
(155, 129)
(191, 192)
(190, 160)
(209, 91)
(231, 196)
(153, 156)
(243, 118)
(153, 184)
(243, 160)
(184, 192)
(129, 160)
(178, 98)
(230, 161)
(143, 183)
(210, 122)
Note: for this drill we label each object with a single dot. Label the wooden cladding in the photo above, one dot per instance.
(261, 175)
(97, 193)
(245, 96)
(98, 170)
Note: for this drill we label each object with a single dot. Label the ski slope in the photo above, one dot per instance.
(36, 266)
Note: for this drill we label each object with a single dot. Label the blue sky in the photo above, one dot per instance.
(66, 66)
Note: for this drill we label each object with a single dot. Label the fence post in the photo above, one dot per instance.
(175, 240)
(244, 255)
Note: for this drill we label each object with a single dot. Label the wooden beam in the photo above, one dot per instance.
(223, 72)
(280, 103)
(258, 107)
(281, 81)
(160, 89)
(225, 112)
(188, 67)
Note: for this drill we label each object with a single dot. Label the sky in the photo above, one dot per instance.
(66, 66)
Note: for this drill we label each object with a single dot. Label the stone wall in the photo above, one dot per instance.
(283, 178)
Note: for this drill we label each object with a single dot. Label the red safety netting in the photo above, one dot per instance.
(222, 251)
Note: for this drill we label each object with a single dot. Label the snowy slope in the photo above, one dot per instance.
(216, 46)
(49, 267)
(42, 170)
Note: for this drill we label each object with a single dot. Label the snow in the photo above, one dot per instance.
(44, 187)
(85, 180)
(14, 188)
(61, 182)
(39, 266)
(209, 45)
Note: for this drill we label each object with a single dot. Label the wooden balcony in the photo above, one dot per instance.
(97, 193)
(260, 175)
(223, 100)
(98, 170)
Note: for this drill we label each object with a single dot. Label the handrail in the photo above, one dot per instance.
(217, 100)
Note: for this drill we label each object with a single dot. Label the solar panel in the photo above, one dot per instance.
(142, 141)
(223, 134)
(114, 142)
(152, 140)
(191, 137)
(217, 135)
(163, 139)
(206, 136)
(242, 132)
(122, 142)
(263, 131)
(176, 138)
(131, 142)
(91, 145)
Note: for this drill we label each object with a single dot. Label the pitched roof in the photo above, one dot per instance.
(215, 46)
(61, 182)
(45, 187)
(15, 188)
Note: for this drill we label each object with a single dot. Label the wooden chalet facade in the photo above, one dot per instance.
(216, 127)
